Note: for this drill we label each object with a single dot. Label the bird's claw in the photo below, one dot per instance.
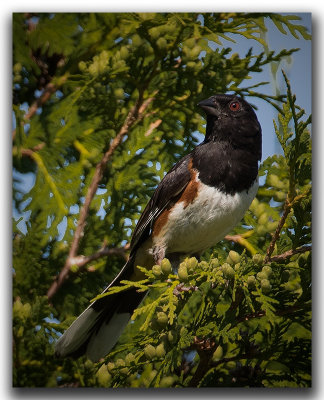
(182, 288)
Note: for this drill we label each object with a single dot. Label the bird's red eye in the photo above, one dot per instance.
(235, 106)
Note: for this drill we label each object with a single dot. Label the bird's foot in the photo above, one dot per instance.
(182, 288)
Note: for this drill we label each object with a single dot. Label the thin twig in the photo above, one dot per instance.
(50, 88)
(289, 203)
(134, 115)
(275, 236)
(80, 261)
(241, 239)
(262, 313)
(152, 126)
(27, 152)
(290, 253)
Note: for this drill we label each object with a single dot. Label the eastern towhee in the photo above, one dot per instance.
(195, 205)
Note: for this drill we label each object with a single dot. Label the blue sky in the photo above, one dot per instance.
(299, 74)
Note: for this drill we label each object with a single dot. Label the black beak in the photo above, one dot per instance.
(209, 106)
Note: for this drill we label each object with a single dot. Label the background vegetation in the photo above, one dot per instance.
(104, 104)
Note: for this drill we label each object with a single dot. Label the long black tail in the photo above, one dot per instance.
(98, 328)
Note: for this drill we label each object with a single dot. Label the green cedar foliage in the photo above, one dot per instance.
(239, 317)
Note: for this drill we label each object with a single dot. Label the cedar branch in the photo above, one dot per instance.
(134, 115)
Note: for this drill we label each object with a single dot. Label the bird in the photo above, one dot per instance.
(202, 197)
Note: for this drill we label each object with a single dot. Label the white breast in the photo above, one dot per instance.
(201, 224)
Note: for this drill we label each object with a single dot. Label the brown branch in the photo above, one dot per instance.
(289, 203)
(262, 313)
(80, 261)
(275, 236)
(134, 115)
(241, 240)
(290, 253)
(50, 88)
(152, 126)
(202, 369)
(205, 349)
(27, 152)
(206, 359)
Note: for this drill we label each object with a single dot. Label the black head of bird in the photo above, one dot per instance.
(231, 119)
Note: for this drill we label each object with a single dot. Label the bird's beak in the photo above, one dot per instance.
(209, 106)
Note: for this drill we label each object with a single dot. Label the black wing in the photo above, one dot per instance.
(174, 182)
